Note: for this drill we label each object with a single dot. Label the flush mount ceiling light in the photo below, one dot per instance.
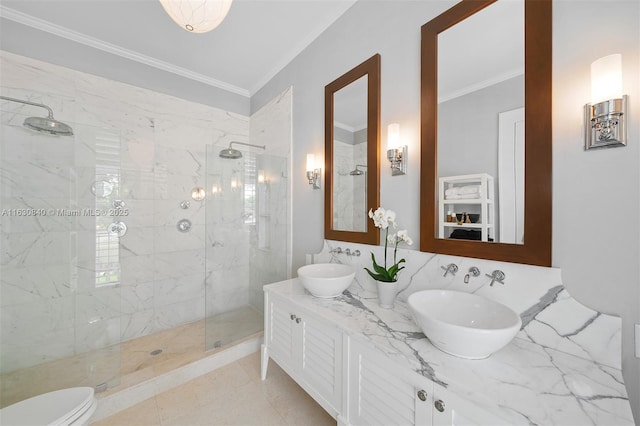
(197, 16)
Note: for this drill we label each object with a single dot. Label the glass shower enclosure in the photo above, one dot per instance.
(247, 233)
(59, 260)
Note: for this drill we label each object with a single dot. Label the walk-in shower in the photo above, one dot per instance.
(83, 306)
(231, 153)
(43, 124)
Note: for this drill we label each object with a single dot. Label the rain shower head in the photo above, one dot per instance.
(41, 124)
(357, 171)
(48, 125)
(230, 153)
(233, 154)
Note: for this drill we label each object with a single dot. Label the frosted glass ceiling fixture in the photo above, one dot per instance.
(197, 16)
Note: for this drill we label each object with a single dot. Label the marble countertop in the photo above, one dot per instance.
(524, 383)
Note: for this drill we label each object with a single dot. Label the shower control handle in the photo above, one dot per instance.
(298, 320)
(293, 317)
(118, 228)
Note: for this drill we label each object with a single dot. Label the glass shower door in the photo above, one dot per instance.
(59, 323)
(246, 241)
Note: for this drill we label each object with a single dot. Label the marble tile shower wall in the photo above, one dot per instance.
(350, 190)
(159, 142)
(270, 251)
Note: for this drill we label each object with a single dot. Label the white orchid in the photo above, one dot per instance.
(382, 219)
(403, 236)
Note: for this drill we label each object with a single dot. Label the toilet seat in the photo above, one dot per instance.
(63, 407)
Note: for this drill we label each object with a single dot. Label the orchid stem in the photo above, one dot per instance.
(386, 236)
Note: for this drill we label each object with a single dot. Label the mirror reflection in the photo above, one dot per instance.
(350, 157)
(480, 128)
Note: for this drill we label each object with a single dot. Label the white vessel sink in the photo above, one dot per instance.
(463, 324)
(326, 280)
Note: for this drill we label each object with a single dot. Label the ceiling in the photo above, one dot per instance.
(255, 41)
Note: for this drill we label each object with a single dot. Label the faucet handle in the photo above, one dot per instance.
(452, 267)
(337, 250)
(347, 252)
(496, 276)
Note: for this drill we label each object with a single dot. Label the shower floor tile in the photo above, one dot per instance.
(232, 395)
(179, 346)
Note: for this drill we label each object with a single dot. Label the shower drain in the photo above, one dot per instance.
(156, 352)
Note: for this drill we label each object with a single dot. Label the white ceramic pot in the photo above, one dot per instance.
(386, 293)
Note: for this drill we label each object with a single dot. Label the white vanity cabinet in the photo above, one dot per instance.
(309, 350)
(450, 409)
(380, 393)
(353, 380)
(383, 393)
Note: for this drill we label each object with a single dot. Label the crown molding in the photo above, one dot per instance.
(66, 33)
(480, 85)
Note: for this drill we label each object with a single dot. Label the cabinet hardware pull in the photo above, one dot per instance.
(439, 404)
(422, 395)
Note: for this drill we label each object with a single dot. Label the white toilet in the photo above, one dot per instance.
(73, 406)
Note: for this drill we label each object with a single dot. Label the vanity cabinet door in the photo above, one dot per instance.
(280, 339)
(381, 393)
(307, 349)
(450, 409)
(321, 359)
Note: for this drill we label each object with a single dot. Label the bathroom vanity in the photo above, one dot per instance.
(367, 365)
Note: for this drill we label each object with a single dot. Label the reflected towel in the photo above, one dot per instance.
(463, 192)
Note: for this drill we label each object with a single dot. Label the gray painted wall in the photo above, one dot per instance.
(59, 51)
(599, 261)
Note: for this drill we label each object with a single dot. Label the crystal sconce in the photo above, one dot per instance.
(605, 117)
(396, 154)
(313, 172)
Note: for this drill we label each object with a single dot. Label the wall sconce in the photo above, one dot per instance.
(313, 172)
(396, 154)
(198, 194)
(605, 117)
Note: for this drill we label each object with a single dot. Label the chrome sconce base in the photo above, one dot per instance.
(313, 176)
(398, 159)
(605, 124)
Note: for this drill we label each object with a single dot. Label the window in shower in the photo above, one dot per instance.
(250, 177)
(107, 264)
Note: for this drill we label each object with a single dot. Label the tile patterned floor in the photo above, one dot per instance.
(232, 395)
(132, 363)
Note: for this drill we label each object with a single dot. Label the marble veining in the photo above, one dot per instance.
(550, 316)
(562, 368)
(524, 383)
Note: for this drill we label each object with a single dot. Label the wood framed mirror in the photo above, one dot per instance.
(352, 160)
(441, 190)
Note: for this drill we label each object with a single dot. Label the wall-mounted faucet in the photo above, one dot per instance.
(348, 252)
(473, 272)
(496, 276)
(452, 267)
